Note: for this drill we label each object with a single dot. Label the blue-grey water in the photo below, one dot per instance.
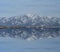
(16, 45)
(15, 40)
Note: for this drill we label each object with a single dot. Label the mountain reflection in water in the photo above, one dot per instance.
(29, 33)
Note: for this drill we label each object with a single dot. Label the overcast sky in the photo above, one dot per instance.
(18, 7)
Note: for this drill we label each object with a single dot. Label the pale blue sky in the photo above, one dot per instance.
(18, 7)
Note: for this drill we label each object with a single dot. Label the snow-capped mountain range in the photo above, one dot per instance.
(30, 20)
(29, 33)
